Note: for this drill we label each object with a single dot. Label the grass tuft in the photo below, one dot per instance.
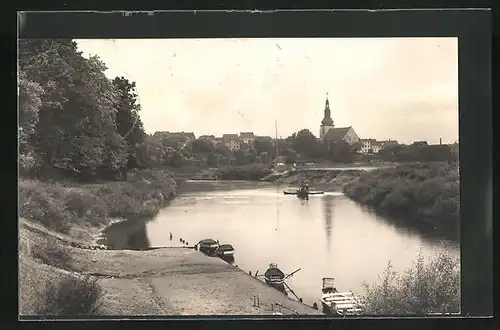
(72, 297)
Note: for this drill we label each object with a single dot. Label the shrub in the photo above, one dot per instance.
(54, 254)
(71, 297)
(42, 203)
(86, 207)
(250, 173)
(58, 206)
(432, 287)
(427, 194)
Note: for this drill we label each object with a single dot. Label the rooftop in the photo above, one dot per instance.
(247, 135)
(337, 133)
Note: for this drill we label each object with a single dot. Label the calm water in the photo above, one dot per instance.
(327, 236)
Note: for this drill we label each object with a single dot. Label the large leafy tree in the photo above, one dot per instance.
(264, 145)
(29, 104)
(306, 144)
(76, 129)
(128, 121)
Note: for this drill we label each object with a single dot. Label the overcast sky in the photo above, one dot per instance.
(398, 88)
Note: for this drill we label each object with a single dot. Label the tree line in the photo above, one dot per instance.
(74, 121)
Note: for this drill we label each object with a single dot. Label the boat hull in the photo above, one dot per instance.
(280, 286)
(208, 249)
(297, 192)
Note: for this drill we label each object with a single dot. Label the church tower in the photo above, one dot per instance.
(327, 122)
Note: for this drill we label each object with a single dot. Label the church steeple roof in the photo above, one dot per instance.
(327, 119)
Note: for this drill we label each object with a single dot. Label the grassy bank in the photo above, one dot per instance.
(425, 288)
(425, 195)
(57, 217)
(62, 205)
(253, 172)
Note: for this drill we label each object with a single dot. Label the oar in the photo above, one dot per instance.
(291, 274)
(291, 291)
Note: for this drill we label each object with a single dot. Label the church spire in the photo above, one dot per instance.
(327, 120)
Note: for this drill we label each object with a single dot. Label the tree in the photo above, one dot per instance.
(307, 145)
(223, 150)
(202, 146)
(240, 157)
(213, 160)
(341, 151)
(264, 145)
(128, 121)
(76, 131)
(29, 106)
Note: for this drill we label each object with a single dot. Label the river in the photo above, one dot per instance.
(326, 236)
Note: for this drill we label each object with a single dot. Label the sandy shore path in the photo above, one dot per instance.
(180, 281)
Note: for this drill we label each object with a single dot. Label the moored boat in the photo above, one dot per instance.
(225, 250)
(339, 303)
(275, 278)
(208, 246)
(226, 253)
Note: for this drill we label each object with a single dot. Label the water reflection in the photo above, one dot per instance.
(264, 226)
(328, 209)
(130, 235)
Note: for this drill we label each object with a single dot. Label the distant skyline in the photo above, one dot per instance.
(404, 89)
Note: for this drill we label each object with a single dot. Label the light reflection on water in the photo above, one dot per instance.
(327, 236)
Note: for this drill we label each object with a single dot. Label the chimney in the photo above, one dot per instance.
(440, 141)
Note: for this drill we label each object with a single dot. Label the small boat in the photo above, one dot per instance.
(339, 303)
(225, 250)
(296, 192)
(208, 246)
(275, 277)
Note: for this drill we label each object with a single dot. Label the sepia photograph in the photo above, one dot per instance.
(239, 177)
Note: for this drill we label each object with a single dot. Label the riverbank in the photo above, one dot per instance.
(58, 256)
(425, 195)
(57, 216)
(166, 281)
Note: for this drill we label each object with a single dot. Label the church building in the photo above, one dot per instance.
(329, 133)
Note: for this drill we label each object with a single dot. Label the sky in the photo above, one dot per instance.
(404, 89)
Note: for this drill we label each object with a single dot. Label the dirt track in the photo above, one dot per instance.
(179, 281)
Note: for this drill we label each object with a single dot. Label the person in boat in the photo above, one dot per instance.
(302, 186)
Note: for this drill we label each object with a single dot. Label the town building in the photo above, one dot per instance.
(232, 141)
(368, 146)
(248, 138)
(330, 134)
(372, 146)
(420, 144)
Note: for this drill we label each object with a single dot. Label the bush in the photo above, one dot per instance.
(250, 172)
(425, 288)
(71, 297)
(42, 202)
(58, 207)
(54, 254)
(86, 207)
(427, 195)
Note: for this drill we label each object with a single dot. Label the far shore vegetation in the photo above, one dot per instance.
(427, 196)
(85, 158)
